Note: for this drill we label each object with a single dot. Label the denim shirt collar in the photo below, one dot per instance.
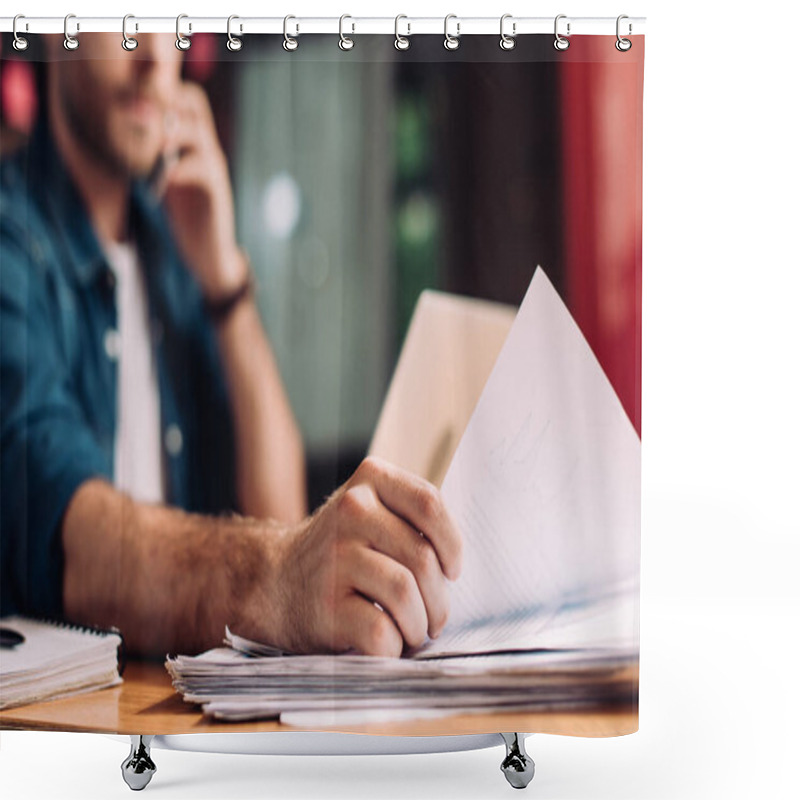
(58, 194)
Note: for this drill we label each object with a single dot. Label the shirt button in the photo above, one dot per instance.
(173, 440)
(111, 343)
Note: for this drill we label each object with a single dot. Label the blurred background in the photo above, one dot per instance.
(363, 178)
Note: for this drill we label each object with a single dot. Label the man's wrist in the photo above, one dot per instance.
(256, 590)
(220, 310)
(220, 303)
(224, 273)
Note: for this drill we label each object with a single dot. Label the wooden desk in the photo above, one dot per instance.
(146, 703)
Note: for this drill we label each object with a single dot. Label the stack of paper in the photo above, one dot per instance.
(314, 691)
(544, 486)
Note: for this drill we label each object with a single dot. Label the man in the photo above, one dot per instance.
(141, 399)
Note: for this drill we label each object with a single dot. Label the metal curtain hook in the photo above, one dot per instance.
(233, 44)
(20, 43)
(623, 45)
(345, 42)
(401, 42)
(70, 42)
(182, 42)
(560, 43)
(507, 42)
(289, 43)
(128, 42)
(451, 42)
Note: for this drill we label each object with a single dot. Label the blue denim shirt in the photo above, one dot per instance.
(58, 377)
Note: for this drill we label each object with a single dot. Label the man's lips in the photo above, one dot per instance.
(143, 108)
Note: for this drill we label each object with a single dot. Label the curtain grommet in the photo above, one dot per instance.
(234, 43)
(183, 43)
(70, 42)
(451, 42)
(290, 43)
(623, 45)
(129, 43)
(345, 42)
(560, 42)
(401, 42)
(507, 42)
(20, 43)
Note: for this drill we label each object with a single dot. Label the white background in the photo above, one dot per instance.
(720, 702)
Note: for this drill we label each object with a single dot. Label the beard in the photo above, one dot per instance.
(109, 130)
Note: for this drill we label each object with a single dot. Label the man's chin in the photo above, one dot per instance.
(135, 167)
(136, 154)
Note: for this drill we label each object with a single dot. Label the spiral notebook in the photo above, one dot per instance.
(57, 659)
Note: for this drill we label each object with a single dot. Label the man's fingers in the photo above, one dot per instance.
(363, 627)
(182, 134)
(394, 588)
(420, 504)
(186, 171)
(391, 535)
(192, 101)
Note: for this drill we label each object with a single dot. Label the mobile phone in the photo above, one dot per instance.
(157, 179)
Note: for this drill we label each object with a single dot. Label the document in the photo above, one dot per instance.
(310, 690)
(544, 486)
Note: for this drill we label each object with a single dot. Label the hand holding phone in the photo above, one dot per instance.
(191, 177)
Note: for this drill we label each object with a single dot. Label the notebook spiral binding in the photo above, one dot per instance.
(122, 652)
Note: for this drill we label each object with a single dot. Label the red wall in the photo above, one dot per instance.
(601, 101)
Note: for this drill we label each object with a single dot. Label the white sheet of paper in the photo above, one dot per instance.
(545, 487)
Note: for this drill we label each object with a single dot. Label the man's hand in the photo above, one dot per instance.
(198, 195)
(384, 537)
(171, 581)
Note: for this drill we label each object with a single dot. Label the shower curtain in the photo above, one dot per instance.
(321, 377)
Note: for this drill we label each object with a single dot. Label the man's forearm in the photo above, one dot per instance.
(270, 466)
(170, 581)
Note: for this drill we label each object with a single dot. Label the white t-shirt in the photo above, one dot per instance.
(138, 461)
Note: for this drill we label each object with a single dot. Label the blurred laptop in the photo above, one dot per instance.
(448, 354)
